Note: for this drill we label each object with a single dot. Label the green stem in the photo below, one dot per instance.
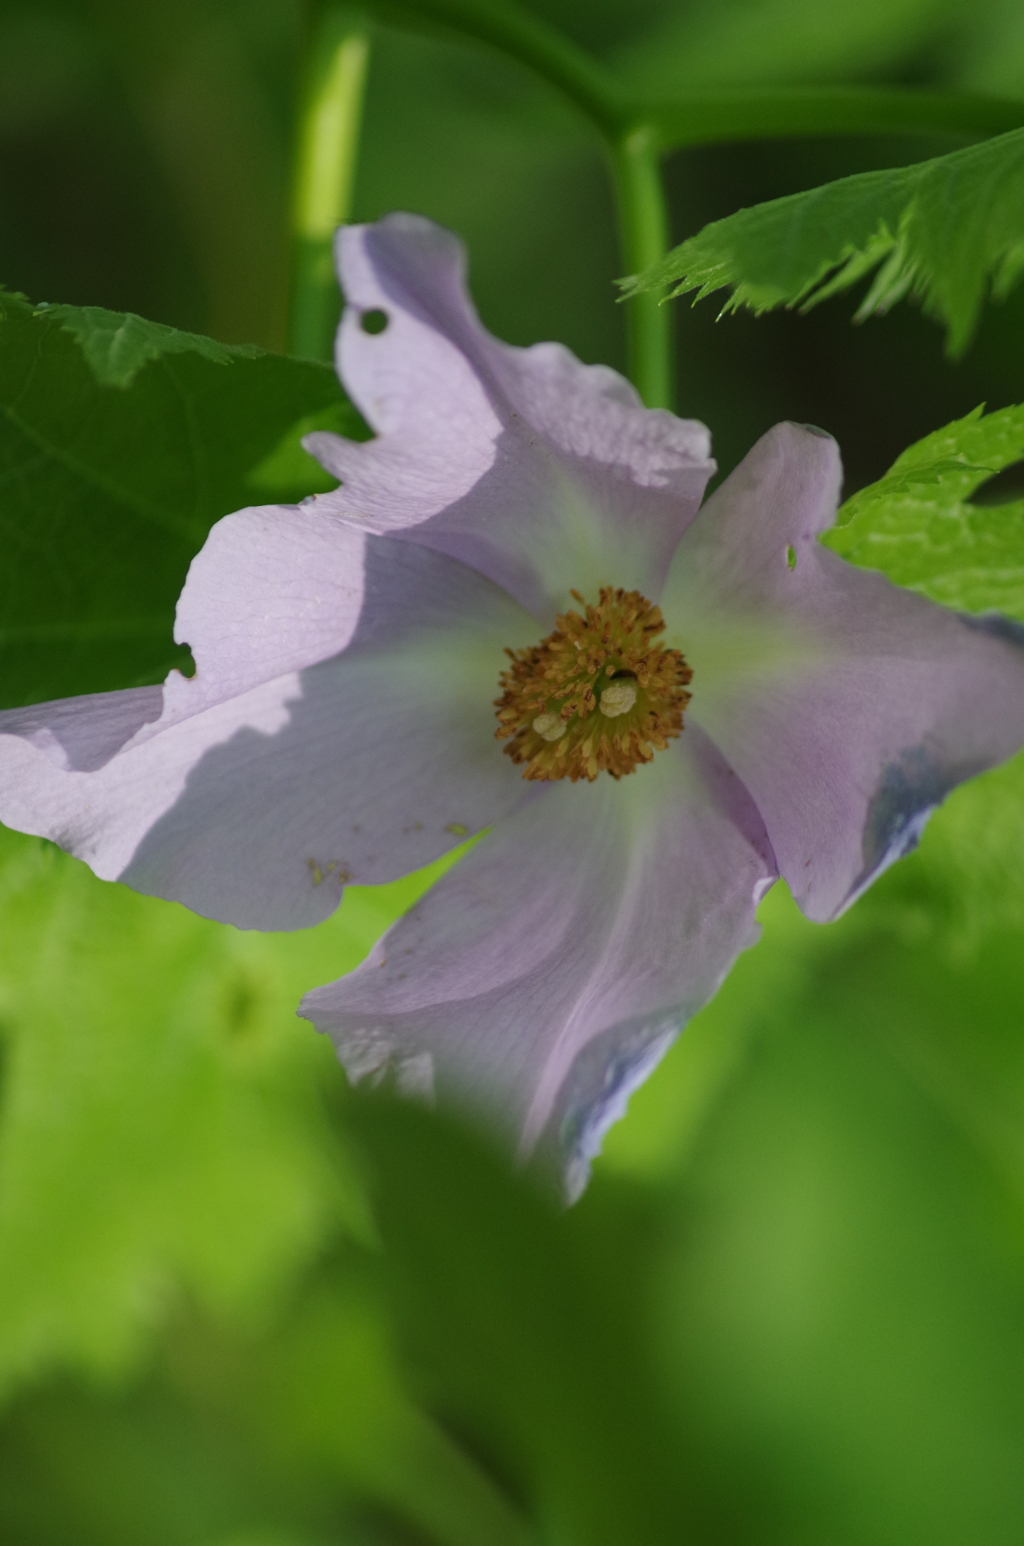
(521, 35)
(324, 176)
(636, 132)
(633, 151)
(713, 116)
(708, 116)
(643, 227)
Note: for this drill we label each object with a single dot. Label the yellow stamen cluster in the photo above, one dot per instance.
(597, 695)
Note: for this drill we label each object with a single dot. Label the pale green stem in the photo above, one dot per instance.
(325, 168)
(643, 226)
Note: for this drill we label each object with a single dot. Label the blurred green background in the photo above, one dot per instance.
(240, 1306)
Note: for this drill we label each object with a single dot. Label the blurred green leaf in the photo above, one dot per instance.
(121, 442)
(839, 1315)
(991, 48)
(747, 42)
(163, 1121)
(298, 1433)
(967, 879)
(918, 525)
(944, 231)
(139, 1469)
(325, 1400)
(526, 1329)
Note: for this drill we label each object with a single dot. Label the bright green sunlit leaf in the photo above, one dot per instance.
(164, 1123)
(945, 232)
(918, 525)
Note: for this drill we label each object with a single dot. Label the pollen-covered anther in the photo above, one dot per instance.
(550, 727)
(618, 699)
(599, 694)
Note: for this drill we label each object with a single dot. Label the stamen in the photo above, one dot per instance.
(601, 666)
(550, 726)
(617, 699)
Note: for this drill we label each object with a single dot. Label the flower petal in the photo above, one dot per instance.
(542, 473)
(82, 734)
(257, 810)
(275, 588)
(849, 706)
(547, 972)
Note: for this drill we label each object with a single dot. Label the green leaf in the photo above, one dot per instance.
(839, 1304)
(917, 524)
(966, 882)
(287, 466)
(526, 1328)
(138, 1471)
(295, 1433)
(734, 42)
(844, 1129)
(163, 1125)
(328, 1397)
(121, 442)
(945, 232)
(116, 345)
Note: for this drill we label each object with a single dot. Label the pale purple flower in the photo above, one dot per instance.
(341, 723)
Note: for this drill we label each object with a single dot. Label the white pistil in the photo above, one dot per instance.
(551, 727)
(618, 698)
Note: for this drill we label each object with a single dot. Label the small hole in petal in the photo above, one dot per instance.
(183, 660)
(791, 556)
(374, 321)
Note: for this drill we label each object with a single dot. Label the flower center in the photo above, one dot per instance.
(597, 695)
